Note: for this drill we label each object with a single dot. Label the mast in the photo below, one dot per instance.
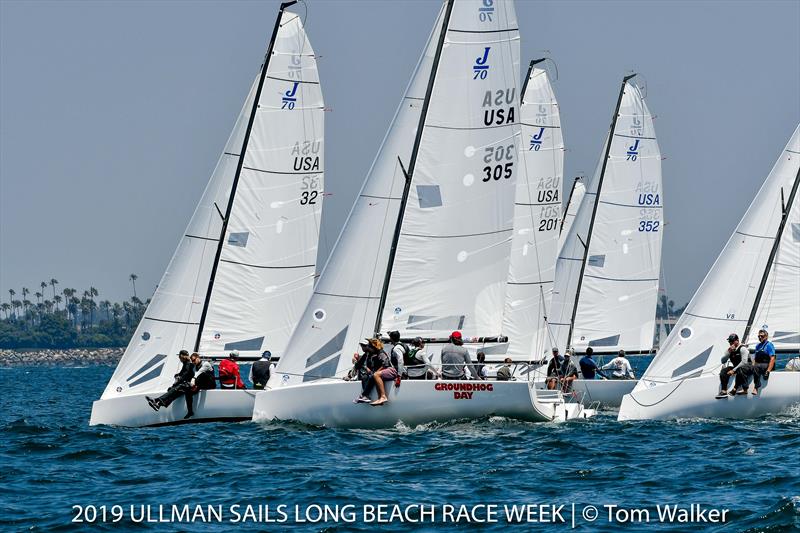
(236, 176)
(594, 208)
(786, 208)
(412, 164)
(569, 201)
(528, 77)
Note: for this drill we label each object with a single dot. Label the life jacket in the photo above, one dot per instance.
(206, 380)
(393, 357)
(736, 356)
(761, 356)
(410, 357)
(261, 373)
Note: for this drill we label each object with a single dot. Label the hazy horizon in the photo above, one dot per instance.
(114, 114)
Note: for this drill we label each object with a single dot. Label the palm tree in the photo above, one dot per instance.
(5, 307)
(43, 285)
(25, 293)
(57, 299)
(16, 304)
(106, 306)
(48, 306)
(116, 312)
(53, 283)
(11, 293)
(38, 296)
(72, 307)
(133, 278)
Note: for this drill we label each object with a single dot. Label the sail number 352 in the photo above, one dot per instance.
(649, 225)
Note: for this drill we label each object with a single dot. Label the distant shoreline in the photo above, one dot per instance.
(56, 357)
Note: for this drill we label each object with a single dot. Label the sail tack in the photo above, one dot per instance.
(451, 259)
(537, 218)
(263, 278)
(605, 296)
(725, 299)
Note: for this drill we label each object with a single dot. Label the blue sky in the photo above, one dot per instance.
(114, 114)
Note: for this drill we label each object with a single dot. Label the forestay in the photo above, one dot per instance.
(725, 299)
(614, 283)
(268, 228)
(537, 218)
(451, 259)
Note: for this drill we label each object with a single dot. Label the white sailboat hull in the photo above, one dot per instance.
(694, 397)
(330, 403)
(209, 406)
(607, 392)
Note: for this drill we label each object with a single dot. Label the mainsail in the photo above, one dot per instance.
(537, 217)
(425, 248)
(607, 274)
(571, 210)
(244, 268)
(744, 291)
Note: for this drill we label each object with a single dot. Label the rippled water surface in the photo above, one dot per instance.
(52, 460)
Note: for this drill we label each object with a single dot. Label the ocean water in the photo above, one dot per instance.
(51, 460)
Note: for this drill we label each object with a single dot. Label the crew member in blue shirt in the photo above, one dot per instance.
(764, 357)
(588, 367)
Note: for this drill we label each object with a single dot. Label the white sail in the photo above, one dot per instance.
(266, 271)
(724, 301)
(172, 318)
(537, 218)
(617, 291)
(571, 210)
(452, 255)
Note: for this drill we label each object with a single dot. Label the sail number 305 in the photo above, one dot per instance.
(503, 156)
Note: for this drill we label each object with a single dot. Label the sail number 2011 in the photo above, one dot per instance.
(500, 162)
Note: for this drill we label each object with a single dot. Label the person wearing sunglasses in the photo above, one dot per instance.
(764, 359)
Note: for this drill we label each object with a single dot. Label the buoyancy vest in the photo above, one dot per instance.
(261, 372)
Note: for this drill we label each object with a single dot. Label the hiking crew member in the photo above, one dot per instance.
(621, 367)
(261, 370)
(417, 362)
(736, 361)
(589, 368)
(204, 378)
(229, 376)
(764, 357)
(456, 359)
(370, 361)
(181, 386)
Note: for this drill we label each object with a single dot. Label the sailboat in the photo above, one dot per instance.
(754, 284)
(607, 274)
(425, 249)
(245, 267)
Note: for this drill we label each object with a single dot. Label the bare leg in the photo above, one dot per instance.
(381, 387)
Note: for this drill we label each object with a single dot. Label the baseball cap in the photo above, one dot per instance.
(456, 335)
(733, 337)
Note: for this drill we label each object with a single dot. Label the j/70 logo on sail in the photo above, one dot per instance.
(486, 11)
(633, 151)
(481, 69)
(536, 140)
(289, 98)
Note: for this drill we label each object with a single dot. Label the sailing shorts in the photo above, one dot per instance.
(388, 374)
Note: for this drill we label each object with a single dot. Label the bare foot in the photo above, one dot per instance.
(755, 392)
(380, 401)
